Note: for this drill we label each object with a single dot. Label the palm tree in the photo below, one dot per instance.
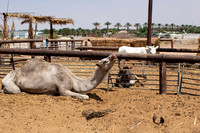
(118, 25)
(172, 26)
(166, 26)
(96, 24)
(159, 25)
(127, 25)
(145, 26)
(153, 25)
(107, 26)
(137, 25)
(13, 28)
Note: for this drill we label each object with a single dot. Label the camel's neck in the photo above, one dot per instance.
(98, 76)
(90, 83)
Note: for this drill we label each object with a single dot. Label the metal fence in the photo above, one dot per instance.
(182, 78)
(165, 74)
(190, 78)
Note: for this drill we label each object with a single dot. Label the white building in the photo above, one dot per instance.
(23, 34)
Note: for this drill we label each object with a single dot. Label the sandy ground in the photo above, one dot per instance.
(132, 112)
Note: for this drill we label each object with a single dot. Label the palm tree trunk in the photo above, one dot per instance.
(107, 29)
(35, 30)
(51, 30)
(5, 30)
(30, 29)
(12, 29)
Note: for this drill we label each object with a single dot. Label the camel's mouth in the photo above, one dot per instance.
(114, 56)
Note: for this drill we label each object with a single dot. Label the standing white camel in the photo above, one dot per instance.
(41, 77)
(142, 50)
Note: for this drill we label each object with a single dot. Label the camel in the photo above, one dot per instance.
(139, 50)
(126, 78)
(41, 77)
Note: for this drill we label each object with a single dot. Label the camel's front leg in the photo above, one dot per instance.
(121, 63)
(10, 87)
(73, 94)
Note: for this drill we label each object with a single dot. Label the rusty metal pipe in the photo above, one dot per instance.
(93, 54)
(178, 50)
(20, 41)
(65, 40)
(158, 50)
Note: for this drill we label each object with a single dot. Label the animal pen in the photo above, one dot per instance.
(169, 74)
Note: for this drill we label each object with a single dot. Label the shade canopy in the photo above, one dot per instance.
(35, 19)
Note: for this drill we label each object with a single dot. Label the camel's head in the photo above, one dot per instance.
(152, 49)
(107, 62)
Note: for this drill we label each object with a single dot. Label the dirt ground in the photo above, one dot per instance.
(132, 111)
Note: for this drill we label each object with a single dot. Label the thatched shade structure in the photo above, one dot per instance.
(1, 27)
(51, 20)
(34, 19)
(60, 21)
(12, 28)
(17, 15)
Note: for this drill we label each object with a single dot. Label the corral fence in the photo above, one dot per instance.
(169, 73)
(61, 44)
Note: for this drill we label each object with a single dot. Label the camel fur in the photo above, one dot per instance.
(41, 77)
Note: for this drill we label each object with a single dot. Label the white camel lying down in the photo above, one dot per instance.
(42, 77)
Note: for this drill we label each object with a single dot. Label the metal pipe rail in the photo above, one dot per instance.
(70, 53)
(39, 40)
(158, 50)
(65, 40)
(20, 41)
(163, 59)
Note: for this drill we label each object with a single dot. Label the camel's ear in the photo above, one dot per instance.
(97, 65)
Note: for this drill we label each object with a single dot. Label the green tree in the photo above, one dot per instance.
(172, 26)
(137, 26)
(166, 26)
(159, 27)
(107, 26)
(96, 24)
(45, 31)
(118, 25)
(145, 26)
(127, 25)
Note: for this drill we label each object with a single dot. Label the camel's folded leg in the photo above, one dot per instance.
(74, 94)
(121, 63)
(10, 88)
(143, 69)
(136, 77)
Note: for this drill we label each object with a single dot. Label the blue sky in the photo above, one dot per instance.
(86, 12)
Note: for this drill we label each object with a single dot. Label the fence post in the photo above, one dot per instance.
(172, 43)
(32, 45)
(56, 45)
(73, 45)
(47, 58)
(12, 62)
(162, 78)
(181, 79)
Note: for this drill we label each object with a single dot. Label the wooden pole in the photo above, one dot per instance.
(149, 23)
(51, 30)
(162, 78)
(5, 30)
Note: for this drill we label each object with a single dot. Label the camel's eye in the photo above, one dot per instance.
(104, 62)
